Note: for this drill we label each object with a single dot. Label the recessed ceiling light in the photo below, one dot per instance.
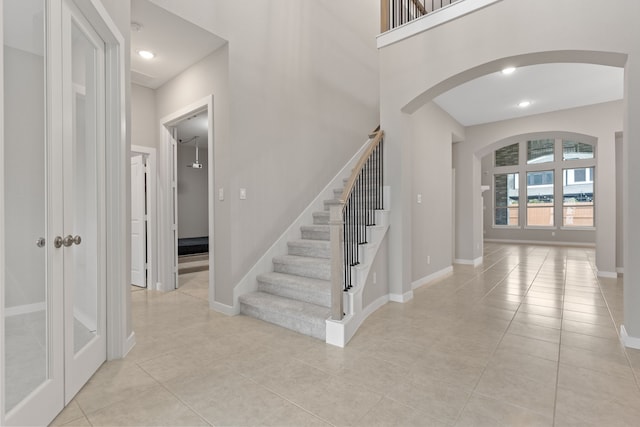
(136, 26)
(508, 70)
(524, 104)
(146, 54)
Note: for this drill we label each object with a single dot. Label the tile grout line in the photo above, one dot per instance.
(473, 391)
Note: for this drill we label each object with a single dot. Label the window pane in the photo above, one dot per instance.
(572, 150)
(540, 151)
(577, 197)
(506, 199)
(507, 156)
(540, 198)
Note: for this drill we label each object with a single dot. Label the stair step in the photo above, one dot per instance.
(315, 232)
(315, 268)
(299, 316)
(321, 218)
(310, 248)
(296, 287)
(328, 203)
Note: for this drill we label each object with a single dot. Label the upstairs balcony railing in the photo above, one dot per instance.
(394, 13)
(349, 220)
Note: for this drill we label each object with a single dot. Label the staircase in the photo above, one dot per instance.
(297, 294)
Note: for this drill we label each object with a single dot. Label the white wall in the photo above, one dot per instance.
(433, 132)
(193, 198)
(302, 97)
(425, 65)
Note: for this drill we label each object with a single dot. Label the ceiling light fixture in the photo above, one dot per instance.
(524, 104)
(508, 70)
(146, 54)
(136, 27)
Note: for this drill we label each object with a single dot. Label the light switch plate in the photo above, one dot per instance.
(243, 194)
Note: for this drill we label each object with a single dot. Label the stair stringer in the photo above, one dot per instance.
(340, 332)
(249, 282)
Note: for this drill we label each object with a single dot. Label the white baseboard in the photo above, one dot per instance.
(129, 344)
(229, 310)
(407, 296)
(25, 309)
(541, 243)
(431, 277)
(339, 333)
(475, 262)
(628, 341)
(608, 274)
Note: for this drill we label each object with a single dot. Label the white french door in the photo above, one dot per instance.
(53, 196)
(138, 226)
(83, 169)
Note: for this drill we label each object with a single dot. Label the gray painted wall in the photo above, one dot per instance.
(406, 84)
(295, 93)
(193, 198)
(144, 119)
(433, 132)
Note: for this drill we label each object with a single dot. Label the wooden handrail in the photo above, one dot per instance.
(419, 6)
(377, 134)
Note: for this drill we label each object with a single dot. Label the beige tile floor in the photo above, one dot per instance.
(527, 339)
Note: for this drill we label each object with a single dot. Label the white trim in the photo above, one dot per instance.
(339, 333)
(432, 20)
(131, 342)
(427, 280)
(608, 274)
(25, 309)
(567, 228)
(229, 310)
(628, 341)
(2, 221)
(474, 262)
(152, 220)
(402, 298)
(248, 283)
(542, 243)
(166, 244)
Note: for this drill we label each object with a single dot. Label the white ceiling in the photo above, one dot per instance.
(177, 44)
(549, 87)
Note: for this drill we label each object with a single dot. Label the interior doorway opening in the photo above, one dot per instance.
(192, 200)
(187, 178)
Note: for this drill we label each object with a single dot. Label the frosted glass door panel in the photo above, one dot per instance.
(26, 344)
(82, 201)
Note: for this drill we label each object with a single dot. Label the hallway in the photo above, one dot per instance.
(528, 338)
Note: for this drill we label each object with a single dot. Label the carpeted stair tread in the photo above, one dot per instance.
(315, 268)
(300, 316)
(310, 248)
(306, 289)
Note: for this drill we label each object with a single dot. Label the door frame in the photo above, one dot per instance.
(150, 155)
(167, 252)
(119, 339)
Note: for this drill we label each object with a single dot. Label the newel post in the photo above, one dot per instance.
(384, 15)
(336, 230)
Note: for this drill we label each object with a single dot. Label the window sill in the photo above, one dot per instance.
(540, 227)
(578, 228)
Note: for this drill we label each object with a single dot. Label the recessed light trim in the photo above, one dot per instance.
(524, 104)
(508, 70)
(146, 54)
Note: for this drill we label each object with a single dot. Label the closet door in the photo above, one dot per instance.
(30, 265)
(84, 198)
